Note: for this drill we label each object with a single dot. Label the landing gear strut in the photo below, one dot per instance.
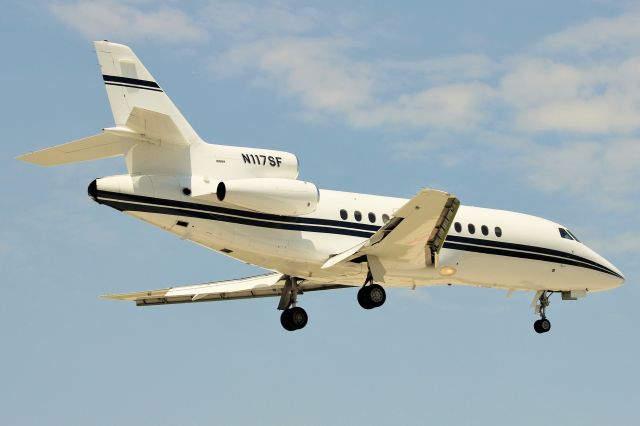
(542, 325)
(372, 295)
(293, 317)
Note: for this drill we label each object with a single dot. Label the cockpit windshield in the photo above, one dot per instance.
(565, 233)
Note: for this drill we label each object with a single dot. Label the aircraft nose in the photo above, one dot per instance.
(616, 276)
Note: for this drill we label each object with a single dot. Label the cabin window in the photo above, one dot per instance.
(357, 215)
(564, 234)
(385, 218)
(372, 217)
(485, 230)
(343, 214)
(471, 228)
(457, 227)
(498, 231)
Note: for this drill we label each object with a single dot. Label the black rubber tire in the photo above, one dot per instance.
(298, 317)
(377, 295)
(363, 298)
(536, 326)
(545, 325)
(285, 320)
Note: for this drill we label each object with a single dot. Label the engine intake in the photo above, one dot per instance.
(270, 195)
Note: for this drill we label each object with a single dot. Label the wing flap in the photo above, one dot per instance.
(244, 288)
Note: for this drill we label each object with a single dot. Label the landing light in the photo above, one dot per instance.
(447, 271)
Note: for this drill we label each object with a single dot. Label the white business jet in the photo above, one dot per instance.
(247, 203)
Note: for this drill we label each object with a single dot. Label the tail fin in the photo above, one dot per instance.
(150, 131)
(130, 85)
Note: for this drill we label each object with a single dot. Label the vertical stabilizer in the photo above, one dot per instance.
(130, 85)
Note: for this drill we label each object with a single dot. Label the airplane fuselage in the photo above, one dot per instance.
(505, 250)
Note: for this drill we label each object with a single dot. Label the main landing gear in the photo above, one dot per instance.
(372, 295)
(542, 325)
(293, 317)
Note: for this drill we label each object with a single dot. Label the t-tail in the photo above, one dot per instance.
(149, 129)
(166, 157)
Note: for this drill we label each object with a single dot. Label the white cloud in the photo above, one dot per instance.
(313, 69)
(624, 243)
(452, 106)
(604, 35)
(112, 19)
(604, 173)
(588, 97)
(581, 98)
(456, 68)
(248, 21)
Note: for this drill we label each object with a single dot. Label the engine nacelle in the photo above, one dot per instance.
(270, 195)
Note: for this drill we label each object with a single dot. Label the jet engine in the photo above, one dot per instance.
(270, 195)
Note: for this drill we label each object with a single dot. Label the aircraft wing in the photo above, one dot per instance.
(414, 234)
(244, 288)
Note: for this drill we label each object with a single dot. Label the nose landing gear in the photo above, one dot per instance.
(543, 325)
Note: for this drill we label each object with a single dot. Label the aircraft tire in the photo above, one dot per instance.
(298, 317)
(545, 325)
(536, 326)
(363, 298)
(371, 296)
(285, 320)
(542, 326)
(377, 295)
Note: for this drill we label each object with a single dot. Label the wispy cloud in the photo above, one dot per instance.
(624, 243)
(564, 111)
(609, 35)
(128, 20)
(601, 172)
(248, 21)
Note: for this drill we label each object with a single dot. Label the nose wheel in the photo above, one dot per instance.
(543, 325)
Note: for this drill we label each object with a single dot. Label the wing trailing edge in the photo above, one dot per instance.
(243, 288)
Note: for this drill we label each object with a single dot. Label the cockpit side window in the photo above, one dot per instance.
(573, 235)
(565, 234)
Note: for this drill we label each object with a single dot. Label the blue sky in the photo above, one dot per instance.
(533, 108)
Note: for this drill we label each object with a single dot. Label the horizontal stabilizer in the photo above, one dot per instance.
(103, 145)
(244, 288)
